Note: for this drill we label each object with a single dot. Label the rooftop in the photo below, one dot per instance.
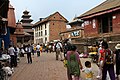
(107, 5)
(47, 19)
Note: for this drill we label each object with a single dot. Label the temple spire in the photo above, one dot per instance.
(26, 21)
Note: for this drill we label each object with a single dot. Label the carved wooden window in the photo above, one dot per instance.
(105, 24)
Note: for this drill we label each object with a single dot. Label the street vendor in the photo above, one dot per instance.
(93, 50)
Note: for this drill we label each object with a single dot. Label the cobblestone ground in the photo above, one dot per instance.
(44, 67)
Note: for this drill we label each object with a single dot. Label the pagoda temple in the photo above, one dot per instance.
(11, 25)
(27, 27)
(19, 32)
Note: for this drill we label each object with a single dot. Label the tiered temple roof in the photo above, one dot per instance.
(26, 22)
(26, 18)
(19, 29)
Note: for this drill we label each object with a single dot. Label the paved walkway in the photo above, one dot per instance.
(44, 67)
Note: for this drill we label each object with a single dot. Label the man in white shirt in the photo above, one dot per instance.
(29, 50)
(11, 52)
(38, 50)
(58, 48)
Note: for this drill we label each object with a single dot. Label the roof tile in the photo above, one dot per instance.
(108, 4)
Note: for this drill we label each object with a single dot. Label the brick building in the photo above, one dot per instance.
(74, 34)
(48, 29)
(76, 31)
(103, 21)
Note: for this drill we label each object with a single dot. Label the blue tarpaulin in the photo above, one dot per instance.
(6, 38)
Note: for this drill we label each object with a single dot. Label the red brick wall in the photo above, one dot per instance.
(116, 23)
(89, 30)
(57, 25)
(55, 28)
(57, 16)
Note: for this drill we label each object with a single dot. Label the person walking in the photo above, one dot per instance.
(100, 61)
(11, 52)
(34, 48)
(73, 64)
(29, 50)
(41, 49)
(58, 48)
(38, 50)
(66, 46)
(117, 57)
(108, 64)
(98, 53)
(22, 52)
(15, 56)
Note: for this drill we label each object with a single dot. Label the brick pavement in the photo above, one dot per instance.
(44, 67)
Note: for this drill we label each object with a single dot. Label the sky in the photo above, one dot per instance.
(43, 8)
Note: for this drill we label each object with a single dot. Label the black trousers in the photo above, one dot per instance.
(38, 53)
(65, 54)
(12, 61)
(118, 67)
(29, 58)
(15, 61)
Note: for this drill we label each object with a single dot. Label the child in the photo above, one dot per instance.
(88, 70)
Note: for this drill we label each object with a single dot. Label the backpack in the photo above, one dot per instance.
(60, 47)
(58, 43)
(73, 65)
(108, 56)
(67, 47)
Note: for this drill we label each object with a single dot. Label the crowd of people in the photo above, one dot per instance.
(10, 57)
(105, 62)
(106, 59)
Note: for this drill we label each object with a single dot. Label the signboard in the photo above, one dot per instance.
(75, 33)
